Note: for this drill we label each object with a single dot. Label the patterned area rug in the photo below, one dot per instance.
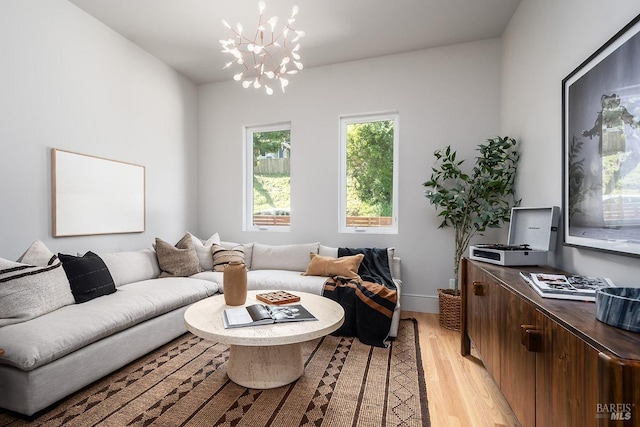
(183, 383)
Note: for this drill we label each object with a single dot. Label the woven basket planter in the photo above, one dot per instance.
(450, 302)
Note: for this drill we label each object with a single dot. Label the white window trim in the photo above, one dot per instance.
(247, 188)
(342, 203)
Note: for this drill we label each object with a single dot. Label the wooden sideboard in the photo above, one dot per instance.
(555, 363)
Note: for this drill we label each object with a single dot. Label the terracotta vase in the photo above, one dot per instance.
(234, 283)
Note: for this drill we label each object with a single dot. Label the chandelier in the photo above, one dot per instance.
(269, 56)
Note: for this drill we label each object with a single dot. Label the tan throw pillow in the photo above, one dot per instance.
(346, 266)
(222, 256)
(180, 260)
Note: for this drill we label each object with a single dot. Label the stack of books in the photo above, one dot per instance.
(580, 288)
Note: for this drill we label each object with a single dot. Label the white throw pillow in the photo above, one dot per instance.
(283, 257)
(203, 250)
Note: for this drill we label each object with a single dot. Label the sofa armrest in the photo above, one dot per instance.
(395, 268)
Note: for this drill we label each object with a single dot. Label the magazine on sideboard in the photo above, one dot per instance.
(572, 287)
(261, 314)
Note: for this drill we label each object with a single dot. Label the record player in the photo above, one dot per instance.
(532, 234)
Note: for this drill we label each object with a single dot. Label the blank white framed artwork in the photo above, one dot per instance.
(92, 195)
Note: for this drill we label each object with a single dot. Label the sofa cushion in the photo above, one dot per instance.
(284, 257)
(131, 266)
(222, 256)
(211, 276)
(203, 250)
(28, 291)
(180, 260)
(328, 251)
(47, 338)
(329, 266)
(284, 280)
(88, 276)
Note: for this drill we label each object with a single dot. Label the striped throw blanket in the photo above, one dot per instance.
(368, 300)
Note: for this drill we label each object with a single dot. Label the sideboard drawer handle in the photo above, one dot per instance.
(478, 289)
(531, 338)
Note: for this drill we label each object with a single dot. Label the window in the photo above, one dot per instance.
(369, 168)
(267, 177)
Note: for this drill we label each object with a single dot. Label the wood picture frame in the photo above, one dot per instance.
(601, 147)
(93, 195)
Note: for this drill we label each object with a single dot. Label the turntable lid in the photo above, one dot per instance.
(537, 227)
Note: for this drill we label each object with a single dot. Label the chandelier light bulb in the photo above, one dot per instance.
(267, 55)
(283, 83)
(273, 22)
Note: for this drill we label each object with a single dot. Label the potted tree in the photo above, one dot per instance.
(470, 203)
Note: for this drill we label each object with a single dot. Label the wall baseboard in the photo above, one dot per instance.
(419, 303)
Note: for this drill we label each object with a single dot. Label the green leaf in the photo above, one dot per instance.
(472, 202)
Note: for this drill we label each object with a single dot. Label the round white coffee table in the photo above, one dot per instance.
(265, 356)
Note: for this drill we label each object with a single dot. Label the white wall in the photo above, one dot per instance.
(444, 96)
(544, 42)
(69, 82)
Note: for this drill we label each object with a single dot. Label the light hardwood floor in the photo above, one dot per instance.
(460, 391)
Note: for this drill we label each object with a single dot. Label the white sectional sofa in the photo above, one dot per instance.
(55, 353)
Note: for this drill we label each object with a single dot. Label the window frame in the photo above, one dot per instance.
(247, 152)
(345, 121)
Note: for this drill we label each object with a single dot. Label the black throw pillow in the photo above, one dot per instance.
(88, 276)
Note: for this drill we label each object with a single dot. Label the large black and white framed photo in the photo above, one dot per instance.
(93, 195)
(601, 147)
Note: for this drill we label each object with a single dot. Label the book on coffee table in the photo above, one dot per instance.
(260, 314)
(572, 287)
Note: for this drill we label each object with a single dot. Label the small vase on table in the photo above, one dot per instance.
(234, 283)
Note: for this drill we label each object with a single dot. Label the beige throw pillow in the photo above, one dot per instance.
(329, 266)
(180, 260)
(222, 256)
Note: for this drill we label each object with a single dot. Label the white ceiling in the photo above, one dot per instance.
(185, 33)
